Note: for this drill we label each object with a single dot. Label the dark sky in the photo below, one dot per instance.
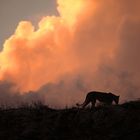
(14, 11)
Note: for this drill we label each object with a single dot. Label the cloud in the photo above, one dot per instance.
(10, 96)
(91, 45)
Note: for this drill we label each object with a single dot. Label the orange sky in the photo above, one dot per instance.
(91, 45)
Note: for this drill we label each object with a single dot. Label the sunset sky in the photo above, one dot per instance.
(13, 11)
(59, 50)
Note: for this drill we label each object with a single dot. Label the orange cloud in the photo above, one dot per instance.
(86, 40)
(32, 58)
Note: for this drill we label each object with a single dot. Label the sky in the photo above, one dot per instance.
(58, 51)
(13, 11)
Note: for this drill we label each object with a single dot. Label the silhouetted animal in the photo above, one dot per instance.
(103, 97)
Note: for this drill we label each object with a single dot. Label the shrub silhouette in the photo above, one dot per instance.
(41, 122)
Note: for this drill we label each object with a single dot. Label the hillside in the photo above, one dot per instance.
(39, 122)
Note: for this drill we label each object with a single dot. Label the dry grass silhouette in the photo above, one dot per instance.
(38, 121)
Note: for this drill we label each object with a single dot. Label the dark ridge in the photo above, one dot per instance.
(39, 122)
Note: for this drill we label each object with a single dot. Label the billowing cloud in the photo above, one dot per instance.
(91, 45)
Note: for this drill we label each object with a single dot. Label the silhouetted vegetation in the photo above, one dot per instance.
(39, 122)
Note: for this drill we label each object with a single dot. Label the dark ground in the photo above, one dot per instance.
(39, 122)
